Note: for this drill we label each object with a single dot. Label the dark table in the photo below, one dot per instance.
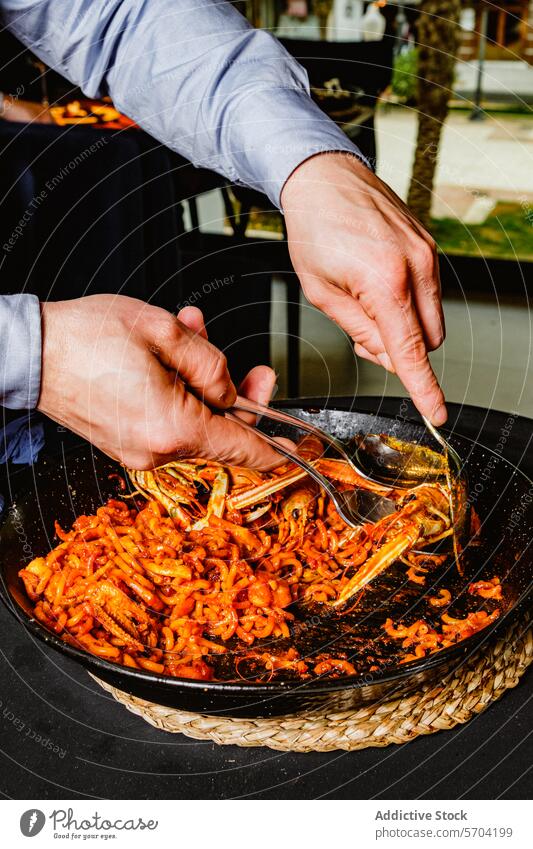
(86, 211)
(98, 749)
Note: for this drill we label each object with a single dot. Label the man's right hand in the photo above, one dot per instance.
(364, 260)
(135, 381)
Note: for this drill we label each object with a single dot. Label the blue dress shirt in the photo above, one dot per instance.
(196, 76)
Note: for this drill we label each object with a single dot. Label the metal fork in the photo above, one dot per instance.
(355, 507)
(245, 405)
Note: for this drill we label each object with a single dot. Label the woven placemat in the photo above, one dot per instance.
(466, 692)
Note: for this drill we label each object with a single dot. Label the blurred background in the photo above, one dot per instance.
(438, 94)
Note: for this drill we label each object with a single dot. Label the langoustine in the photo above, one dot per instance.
(212, 566)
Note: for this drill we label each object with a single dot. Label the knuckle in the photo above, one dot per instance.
(170, 445)
(165, 439)
(219, 367)
(432, 246)
(366, 338)
(398, 289)
(167, 323)
(367, 301)
(412, 348)
(166, 329)
(427, 255)
(423, 260)
(394, 268)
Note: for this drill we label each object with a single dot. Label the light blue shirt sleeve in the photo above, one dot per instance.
(197, 77)
(193, 73)
(20, 351)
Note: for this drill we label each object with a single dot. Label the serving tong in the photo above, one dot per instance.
(373, 457)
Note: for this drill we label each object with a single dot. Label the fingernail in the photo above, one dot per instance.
(227, 399)
(439, 416)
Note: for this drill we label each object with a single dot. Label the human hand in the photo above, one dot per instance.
(122, 374)
(25, 111)
(365, 261)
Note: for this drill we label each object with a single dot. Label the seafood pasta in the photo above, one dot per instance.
(215, 572)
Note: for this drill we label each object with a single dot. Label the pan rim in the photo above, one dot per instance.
(311, 687)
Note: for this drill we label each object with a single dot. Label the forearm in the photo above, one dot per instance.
(193, 74)
(20, 351)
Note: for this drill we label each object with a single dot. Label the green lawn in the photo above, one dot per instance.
(507, 233)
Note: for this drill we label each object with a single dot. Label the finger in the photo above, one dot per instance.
(202, 366)
(425, 277)
(404, 340)
(193, 318)
(348, 313)
(258, 385)
(345, 311)
(201, 433)
(379, 360)
(365, 355)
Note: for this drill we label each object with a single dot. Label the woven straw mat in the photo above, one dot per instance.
(466, 691)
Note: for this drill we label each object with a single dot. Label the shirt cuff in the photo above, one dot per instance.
(283, 128)
(20, 351)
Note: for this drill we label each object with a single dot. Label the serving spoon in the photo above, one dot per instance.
(377, 458)
(355, 507)
(380, 459)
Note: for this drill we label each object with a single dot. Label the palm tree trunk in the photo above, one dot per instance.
(322, 9)
(438, 37)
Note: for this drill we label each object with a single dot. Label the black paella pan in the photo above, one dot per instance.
(500, 494)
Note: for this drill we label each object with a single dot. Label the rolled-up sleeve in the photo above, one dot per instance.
(194, 74)
(20, 351)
